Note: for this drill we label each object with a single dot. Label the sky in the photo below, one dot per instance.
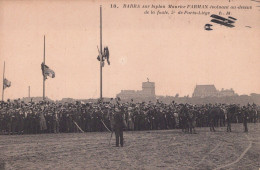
(174, 51)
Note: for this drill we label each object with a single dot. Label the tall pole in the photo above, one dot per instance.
(43, 96)
(3, 90)
(101, 52)
(29, 92)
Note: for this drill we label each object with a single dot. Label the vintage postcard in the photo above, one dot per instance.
(129, 84)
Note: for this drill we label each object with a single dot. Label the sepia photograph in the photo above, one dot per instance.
(130, 84)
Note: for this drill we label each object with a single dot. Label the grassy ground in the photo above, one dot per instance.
(168, 149)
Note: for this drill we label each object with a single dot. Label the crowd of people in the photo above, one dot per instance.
(49, 117)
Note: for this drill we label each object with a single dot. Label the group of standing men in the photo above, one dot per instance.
(50, 117)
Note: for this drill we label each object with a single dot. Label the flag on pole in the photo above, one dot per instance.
(46, 71)
(99, 55)
(106, 54)
(7, 83)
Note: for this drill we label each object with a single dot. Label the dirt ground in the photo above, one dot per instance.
(168, 149)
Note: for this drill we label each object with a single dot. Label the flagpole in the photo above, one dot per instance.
(101, 53)
(43, 97)
(3, 90)
(29, 92)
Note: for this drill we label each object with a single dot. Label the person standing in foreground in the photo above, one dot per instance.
(229, 117)
(119, 127)
(245, 118)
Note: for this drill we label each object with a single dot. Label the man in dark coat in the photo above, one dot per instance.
(245, 118)
(231, 111)
(119, 127)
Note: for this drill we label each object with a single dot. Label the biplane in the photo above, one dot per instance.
(223, 21)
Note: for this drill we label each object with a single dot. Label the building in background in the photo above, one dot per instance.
(148, 91)
(211, 91)
(226, 92)
(205, 91)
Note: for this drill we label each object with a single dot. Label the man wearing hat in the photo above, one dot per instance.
(130, 122)
(119, 127)
(245, 118)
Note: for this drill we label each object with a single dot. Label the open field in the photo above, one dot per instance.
(168, 149)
